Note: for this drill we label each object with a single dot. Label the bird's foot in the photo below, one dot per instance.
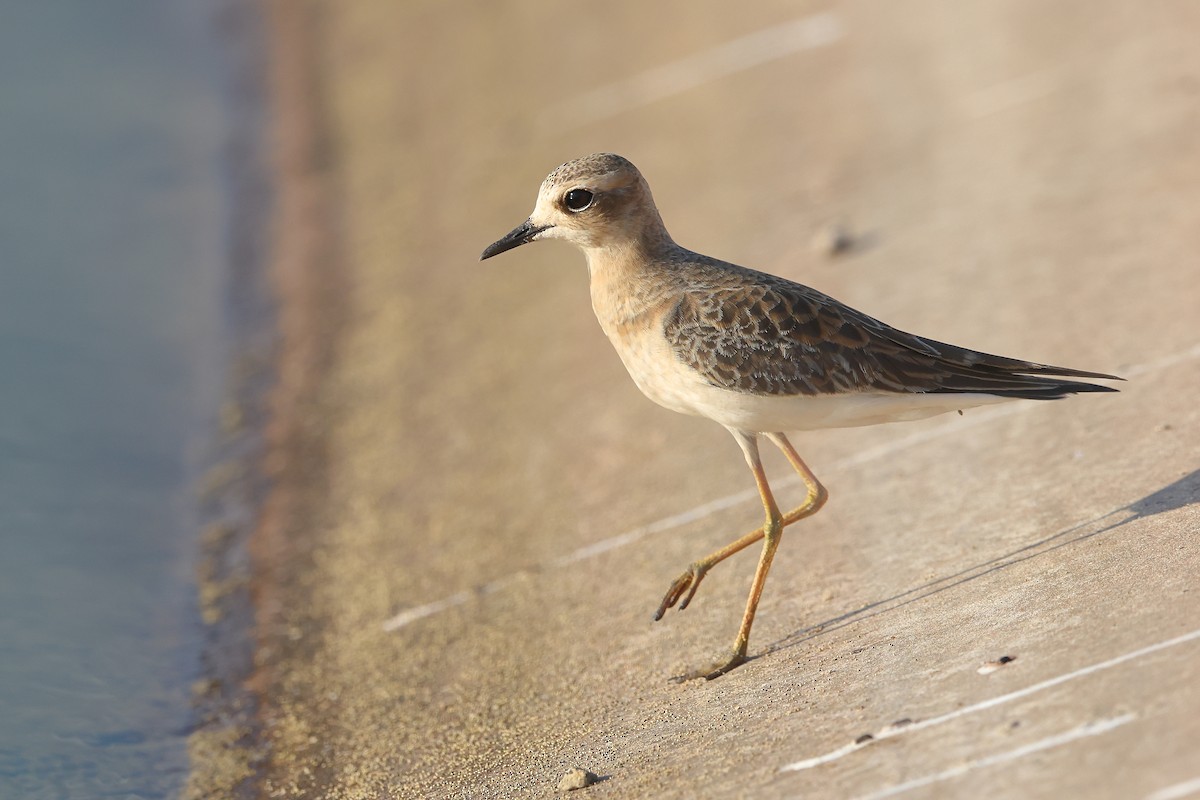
(685, 586)
(723, 666)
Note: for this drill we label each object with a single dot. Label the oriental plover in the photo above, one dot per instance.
(756, 353)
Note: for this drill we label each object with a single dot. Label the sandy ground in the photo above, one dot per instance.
(476, 512)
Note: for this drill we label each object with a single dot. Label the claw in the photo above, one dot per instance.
(715, 671)
(688, 582)
(695, 584)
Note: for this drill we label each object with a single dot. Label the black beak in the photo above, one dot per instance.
(522, 234)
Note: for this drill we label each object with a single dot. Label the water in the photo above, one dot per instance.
(112, 262)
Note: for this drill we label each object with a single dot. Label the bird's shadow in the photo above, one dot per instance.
(1181, 493)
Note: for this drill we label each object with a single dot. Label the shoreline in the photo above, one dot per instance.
(122, 249)
(285, 305)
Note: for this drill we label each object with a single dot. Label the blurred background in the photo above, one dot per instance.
(468, 464)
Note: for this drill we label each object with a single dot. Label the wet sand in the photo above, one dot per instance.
(474, 513)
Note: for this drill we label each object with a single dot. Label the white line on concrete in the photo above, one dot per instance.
(1176, 791)
(1163, 362)
(1082, 732)
(1015, 92)
(666, 523)
(891, 731)
(976, 418)
(429, 609)
(703, 67)
(706, 509)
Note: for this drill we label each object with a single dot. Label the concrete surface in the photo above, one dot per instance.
(484, 512)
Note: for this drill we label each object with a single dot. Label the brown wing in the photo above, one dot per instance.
(760, 334)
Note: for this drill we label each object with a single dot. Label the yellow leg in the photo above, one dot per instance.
(683, 589)
(771, 532)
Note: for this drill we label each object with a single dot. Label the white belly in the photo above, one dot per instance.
(673, 385)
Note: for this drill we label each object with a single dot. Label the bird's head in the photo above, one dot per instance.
(596, 201)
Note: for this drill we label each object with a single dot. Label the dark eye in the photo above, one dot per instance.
(578, 199)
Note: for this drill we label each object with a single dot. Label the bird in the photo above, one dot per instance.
(761, 355)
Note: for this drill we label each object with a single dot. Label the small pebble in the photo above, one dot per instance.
(577, 778)
(992, 666)
(832, 240)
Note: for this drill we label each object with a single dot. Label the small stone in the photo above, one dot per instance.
(866, 737)
(832, 240)
(992, 666)
(577, 778)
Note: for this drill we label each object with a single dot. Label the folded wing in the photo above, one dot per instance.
(760, 334)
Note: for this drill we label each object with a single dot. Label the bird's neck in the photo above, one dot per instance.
(631, 278)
